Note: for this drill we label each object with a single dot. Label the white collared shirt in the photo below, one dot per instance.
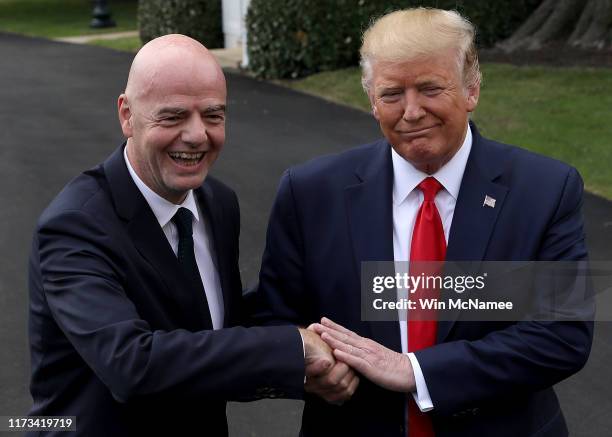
(202, 245)
(407, 199)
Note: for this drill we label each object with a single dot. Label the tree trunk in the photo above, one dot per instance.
(594, 27)
(580, 23)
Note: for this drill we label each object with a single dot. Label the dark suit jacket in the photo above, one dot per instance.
(116, 337)
(488, 379)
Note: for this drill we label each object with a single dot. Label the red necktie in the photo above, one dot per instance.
(428, 244)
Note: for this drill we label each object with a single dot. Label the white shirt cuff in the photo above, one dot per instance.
(421, 395)
(303, 350)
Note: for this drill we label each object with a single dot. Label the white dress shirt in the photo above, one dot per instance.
(407, 199)
(203, 248)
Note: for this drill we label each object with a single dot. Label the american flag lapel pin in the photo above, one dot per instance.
(489, 201)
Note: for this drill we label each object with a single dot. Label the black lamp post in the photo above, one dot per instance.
(101, 15)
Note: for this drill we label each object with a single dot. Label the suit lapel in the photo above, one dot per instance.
(150, 240)
(151, 243)
(213, 214)
(370, 218)
(473, 220)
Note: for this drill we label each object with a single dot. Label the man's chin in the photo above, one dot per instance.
(191, 183)
(418, 151)
(179, 187)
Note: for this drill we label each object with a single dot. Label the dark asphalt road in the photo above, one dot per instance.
(58, 117)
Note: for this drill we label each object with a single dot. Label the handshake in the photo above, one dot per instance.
(336, 356)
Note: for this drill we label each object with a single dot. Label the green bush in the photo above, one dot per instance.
(295, 38)
(199, 19)
(494, 20)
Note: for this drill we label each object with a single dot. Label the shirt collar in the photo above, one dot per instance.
(406, 177)
(163, 210)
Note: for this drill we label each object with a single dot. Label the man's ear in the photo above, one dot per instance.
(375, 112)
(373, 105)
(125, 115)
(473, 93)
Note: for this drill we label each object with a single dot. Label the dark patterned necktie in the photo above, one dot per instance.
(183, 219)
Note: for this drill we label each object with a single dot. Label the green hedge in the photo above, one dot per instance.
(295, 38)
(199, 19)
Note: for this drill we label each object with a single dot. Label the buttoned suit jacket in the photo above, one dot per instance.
(119, 340)
(486, 378)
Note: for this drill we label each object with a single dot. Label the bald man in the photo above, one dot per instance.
(135, 292)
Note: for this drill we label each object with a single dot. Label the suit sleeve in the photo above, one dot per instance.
(281, 298)
(81, 279)
(526, 356)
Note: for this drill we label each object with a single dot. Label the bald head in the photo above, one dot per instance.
(167, 60)
(173, 115)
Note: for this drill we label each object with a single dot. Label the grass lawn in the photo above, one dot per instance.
(59, 18)
(565, 113)
(128, 44)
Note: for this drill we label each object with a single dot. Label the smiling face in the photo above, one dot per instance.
(173, 114)
(422, 107)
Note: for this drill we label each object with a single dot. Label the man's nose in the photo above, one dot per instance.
(194, 131)
(413, 109)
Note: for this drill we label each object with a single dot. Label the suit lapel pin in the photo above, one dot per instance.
(489, 201)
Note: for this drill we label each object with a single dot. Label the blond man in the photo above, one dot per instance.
(432, 189)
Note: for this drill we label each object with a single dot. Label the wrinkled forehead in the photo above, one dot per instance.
(443, 63)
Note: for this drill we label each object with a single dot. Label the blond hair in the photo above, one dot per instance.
(410, 33)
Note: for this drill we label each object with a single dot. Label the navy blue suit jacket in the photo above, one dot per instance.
(117, 337)
(490, 378)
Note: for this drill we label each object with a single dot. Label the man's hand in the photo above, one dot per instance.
(382, 366)
(333, 381)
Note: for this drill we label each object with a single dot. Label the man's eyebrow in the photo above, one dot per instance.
(171, 110)
(387, 87)
(214, 108)
(430, 80)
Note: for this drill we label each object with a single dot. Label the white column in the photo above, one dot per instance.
(244, 6)
(232, 22)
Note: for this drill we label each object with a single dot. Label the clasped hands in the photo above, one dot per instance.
(335, 356)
